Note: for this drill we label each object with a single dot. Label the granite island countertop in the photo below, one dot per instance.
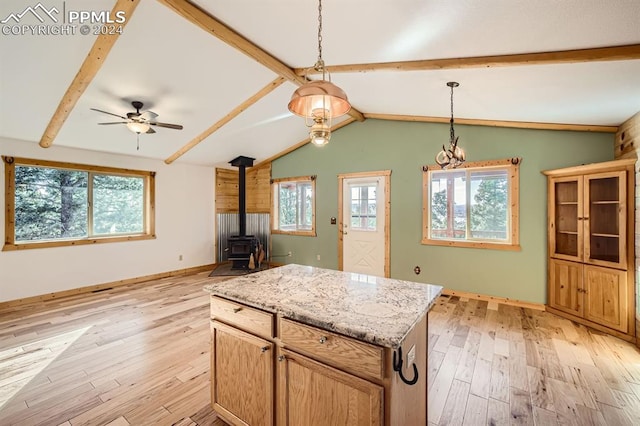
(377, 310)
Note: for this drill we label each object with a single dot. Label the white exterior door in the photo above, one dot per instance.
(363, 225)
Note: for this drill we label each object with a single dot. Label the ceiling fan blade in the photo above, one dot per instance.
(150, 131)
(110, 113)
(167, 125)
(148, 115)
(115, 122)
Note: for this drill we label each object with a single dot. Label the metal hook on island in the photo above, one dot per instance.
(397, 366)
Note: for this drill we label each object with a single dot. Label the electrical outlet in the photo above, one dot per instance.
(289, 254)
(318, 256)
(180, 257)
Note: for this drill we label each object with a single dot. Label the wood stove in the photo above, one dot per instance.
(241, 246)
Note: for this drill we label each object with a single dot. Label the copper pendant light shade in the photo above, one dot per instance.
(317, 96)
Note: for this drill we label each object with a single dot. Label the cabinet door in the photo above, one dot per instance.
(605, 293)
(605, 219)
(241, 376)
(565, 286)
(565, 218)
(313, 394)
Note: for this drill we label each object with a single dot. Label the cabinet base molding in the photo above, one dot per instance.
(504, 300)
(105, 286)
(590, 324)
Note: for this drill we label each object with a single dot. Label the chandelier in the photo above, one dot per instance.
(319, 101)
(453, 156)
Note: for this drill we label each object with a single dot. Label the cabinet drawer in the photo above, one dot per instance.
(340, 351)
(249, 319)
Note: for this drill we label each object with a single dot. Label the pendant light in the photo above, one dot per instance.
(454, 156)
(319, 101)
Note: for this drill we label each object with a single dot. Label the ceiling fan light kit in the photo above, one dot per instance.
(137, 127)
(319, 101)
(454, 156)
(139, 122)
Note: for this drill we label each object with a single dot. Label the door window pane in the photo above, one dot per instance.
(364, 207)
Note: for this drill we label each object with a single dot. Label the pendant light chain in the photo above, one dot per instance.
(452, 133)
(320, 31)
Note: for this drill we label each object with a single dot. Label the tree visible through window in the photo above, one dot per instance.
(475, 204)
(293, 208)
(55, 202)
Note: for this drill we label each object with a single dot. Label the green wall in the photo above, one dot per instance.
(404, 147)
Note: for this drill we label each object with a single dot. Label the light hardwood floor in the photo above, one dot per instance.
(497, 364)
(140, 355)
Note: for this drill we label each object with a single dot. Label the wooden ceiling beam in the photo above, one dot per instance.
(88, 70)
(302, 143)
(600, 54)
(496, 123)
(227, 118)
(213, 26)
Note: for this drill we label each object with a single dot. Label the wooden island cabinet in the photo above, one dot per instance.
(591, 246)
(285, 351)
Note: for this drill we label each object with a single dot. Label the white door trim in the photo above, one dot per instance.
(387, 215)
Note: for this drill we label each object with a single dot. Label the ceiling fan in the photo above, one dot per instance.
(139, 122)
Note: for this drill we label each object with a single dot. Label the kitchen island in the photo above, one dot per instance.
(299, 345)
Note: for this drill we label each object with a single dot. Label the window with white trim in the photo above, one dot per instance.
(475, 205)
(293, 205)
(52, 204)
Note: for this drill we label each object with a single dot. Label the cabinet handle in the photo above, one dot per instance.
(264, 349)
(236, 310)
(281, 358)
(322, 340)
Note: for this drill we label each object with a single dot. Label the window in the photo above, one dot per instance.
(363, 207)
(51, 204)
(293, 210)
(475, 205)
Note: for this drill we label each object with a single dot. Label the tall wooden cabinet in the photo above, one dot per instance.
(591, 245)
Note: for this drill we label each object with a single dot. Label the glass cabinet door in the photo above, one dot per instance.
(605, 219)
(567, 218)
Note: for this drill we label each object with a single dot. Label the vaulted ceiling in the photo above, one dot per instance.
(225, 70)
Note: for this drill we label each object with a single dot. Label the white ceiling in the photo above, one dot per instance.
(190, 77)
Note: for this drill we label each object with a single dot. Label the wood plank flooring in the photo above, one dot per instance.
(493, 364)
(134, 355)
(139, 354)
